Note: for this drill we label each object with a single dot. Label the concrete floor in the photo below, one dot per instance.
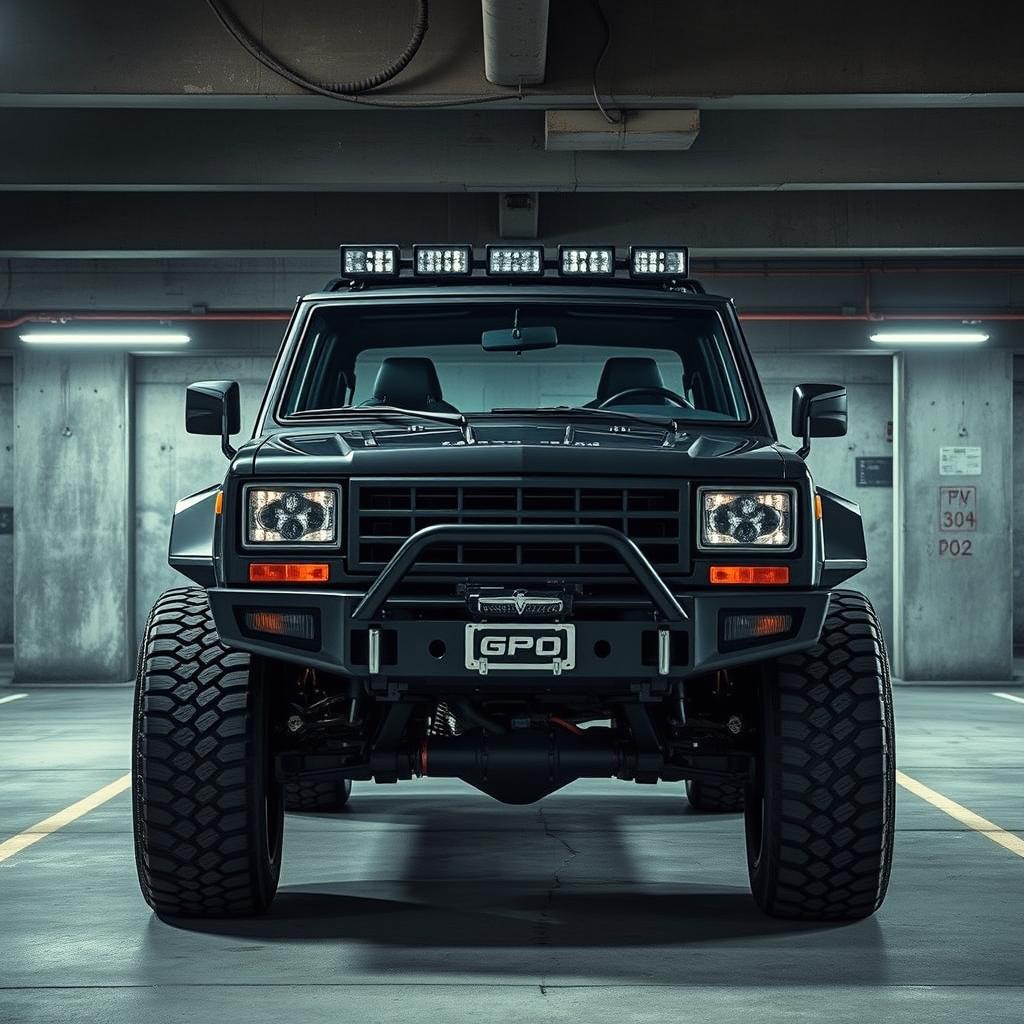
(607, 902)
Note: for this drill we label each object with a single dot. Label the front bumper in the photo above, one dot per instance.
(607, 647)
(375, 635)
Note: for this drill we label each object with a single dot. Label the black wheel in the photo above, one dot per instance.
(819, 815)
(208, 816)
(714, 797)
(316, 797)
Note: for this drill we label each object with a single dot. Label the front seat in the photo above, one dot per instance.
(409, 383)
(624, 372)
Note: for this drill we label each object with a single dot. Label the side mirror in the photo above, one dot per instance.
(212, 407)
(819, 410)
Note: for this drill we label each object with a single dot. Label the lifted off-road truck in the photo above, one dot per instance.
(516, 518)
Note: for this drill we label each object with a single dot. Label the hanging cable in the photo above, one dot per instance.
(596, 4)
(354, 91)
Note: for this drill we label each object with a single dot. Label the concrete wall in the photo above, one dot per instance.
(170, 464)
(868, 380)
(1018, 507)
(72, 494)
(954, 614)
(6, 500)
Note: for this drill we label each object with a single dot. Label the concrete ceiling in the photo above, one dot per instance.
(142, 135)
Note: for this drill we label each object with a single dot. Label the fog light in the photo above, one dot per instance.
(754, 627)
(298, 625)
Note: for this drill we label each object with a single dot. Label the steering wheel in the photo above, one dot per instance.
(665, 393)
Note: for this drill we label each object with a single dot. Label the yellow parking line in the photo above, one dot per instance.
(47, 826)
(963, 814)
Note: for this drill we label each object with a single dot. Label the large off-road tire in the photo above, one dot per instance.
(208, 813)
(819, 815)
(316, 797)
(714, 797)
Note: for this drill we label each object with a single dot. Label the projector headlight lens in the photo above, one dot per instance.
(291, 516)
(748, 519)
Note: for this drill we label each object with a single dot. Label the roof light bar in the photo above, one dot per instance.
(658, 261)
(515, 260)
(128, 339)
(370, 260)
(442, 260)
(592, 261)
(927, 337)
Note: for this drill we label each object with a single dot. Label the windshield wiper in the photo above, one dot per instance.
(663, 423)
(451, 419)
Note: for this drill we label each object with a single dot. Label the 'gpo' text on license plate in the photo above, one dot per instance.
(525, 646)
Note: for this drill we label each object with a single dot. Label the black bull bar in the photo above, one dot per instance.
(405, 559)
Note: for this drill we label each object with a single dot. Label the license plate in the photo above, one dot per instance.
(531, 647)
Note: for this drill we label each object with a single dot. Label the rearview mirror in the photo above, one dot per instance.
(212, 407)
(819, 410)
(519, 339)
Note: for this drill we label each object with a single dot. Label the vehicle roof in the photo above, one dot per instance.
(487, 288)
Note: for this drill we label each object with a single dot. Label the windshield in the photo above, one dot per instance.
(652, 361)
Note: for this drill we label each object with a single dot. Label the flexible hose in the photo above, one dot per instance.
(245, 39)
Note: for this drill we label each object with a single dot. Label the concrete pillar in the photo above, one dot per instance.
(6, 502)
(72, 503)
(953, 574)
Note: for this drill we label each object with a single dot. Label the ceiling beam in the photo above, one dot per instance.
(502, 151)
(714, 224)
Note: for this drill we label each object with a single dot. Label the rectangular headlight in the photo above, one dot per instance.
(370, 260)
(745, 517)
(515, 260)
(442, 260)
(582, 261)
(658, 261)
(291, 515)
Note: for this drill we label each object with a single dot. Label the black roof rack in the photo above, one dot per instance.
(347, 284)
(404, 274)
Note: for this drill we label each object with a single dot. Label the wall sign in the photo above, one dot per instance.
(958, 509)
(958, 460)
(874, 471)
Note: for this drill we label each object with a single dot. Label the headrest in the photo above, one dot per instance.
(624, 372)
(410, 383)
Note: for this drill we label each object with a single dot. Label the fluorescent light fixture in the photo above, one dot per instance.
(926, 337)
(128, 339)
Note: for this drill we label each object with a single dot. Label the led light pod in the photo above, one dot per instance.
(370, 260)
(515, 260)
(658, 261)
(442, 260)
(586, 261)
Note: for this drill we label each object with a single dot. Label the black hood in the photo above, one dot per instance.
(523, 448)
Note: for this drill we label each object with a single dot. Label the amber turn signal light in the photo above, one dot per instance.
(750, 575)
(289, 572)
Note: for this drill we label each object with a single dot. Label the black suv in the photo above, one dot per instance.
(517, 519)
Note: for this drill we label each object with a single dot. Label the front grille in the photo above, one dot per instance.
(384, 513)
